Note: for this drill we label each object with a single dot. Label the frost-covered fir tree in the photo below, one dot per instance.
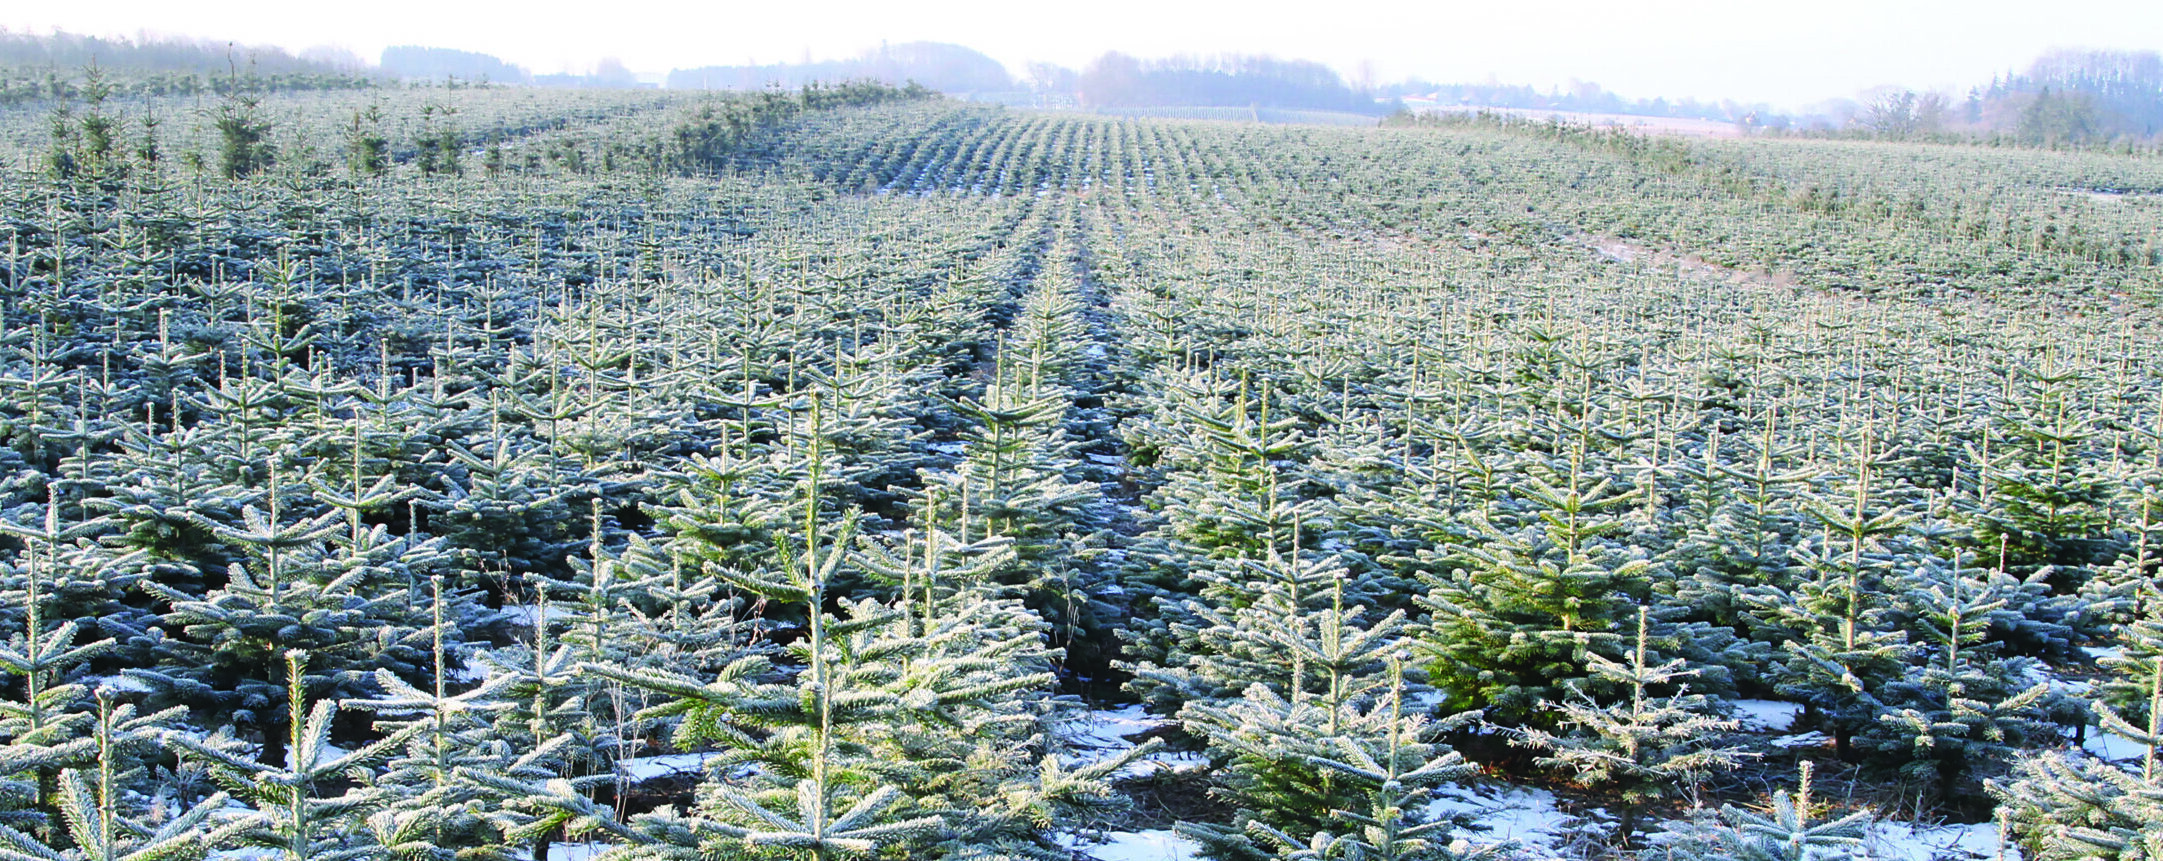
(890, 725)
(289, 808)
(102, 821)
(1789, 830)
(1967, 707)
(1392, 771)
(1642, 745)
(1520, 613)
(1327, 685)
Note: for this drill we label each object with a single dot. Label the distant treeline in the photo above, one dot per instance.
(1117, 81)
(1582, 98)
(2077, 97)
(55, 66)
(415, 61)
(934, 65)
(450, 66)
(2066, 98)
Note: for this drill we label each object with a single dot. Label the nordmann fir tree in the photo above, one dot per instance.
(1394, 770)
(2064, 806)
(1523, 609)
(1643, 746)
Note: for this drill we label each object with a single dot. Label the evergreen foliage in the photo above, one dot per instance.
(832, 479)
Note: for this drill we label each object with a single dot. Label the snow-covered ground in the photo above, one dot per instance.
(1766, 715)
(1108, 729)
(643, 768)
(528, 615)
(1140, 846)
(1802, 739)
(1523, 816)
(1103, 733)
(475, 669)
(2112, 746)
(2101, 652)
(1892, 841)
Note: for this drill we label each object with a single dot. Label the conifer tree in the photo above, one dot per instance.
(1788, 831)
(287, 812)
(1529, 607)
(1643, 746)
(102, 823)
(2069, 805)
(1968, 706)
(1390, 769)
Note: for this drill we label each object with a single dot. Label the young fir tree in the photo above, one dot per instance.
(45, 728)
(1838, 623)
(1395, 772)
(288, 811)
(430, 804)
(1967, 707)
(1313, 668)
(1519, 622)
(1226, 499)
(302, 586)
(367, 150)
(813, 801)
(2127, 669)
(1787, 831)
(1644, 747)
(244, 146)
(104, 821)
(2068, 806)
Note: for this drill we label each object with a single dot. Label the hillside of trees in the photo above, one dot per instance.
(2077, 98)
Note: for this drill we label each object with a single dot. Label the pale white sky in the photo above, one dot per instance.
(1788, 53)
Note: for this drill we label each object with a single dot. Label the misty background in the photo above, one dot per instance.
(2076, 72)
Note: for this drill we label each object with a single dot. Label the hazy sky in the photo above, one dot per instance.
(1787, 53)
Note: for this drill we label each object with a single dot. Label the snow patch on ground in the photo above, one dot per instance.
(1512, 814)
(1422, 702)
(2111, 746)
(1892, 841)
(473, 670)
(1155, 845)
(1766, 715)
(1801, 740)
(1104, 733)
(1107, 729)
(2101, 652)
(529, 615)
(643, 768)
